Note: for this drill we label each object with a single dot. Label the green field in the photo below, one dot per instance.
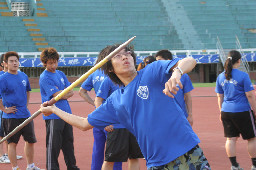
(204, 84)
(38, 90)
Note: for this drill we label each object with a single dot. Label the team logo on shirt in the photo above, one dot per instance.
(62, 80)
(24, 83)
(98, 79)
(231, 81)
(143, 92)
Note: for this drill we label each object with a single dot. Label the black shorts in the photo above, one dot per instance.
(239, 123)
(121, 145)
(27, 131)
(1, 126)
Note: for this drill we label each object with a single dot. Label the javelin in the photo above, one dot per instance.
(69, 88)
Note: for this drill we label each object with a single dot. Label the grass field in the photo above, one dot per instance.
(204, 84)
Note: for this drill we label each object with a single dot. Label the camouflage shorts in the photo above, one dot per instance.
(192, 160)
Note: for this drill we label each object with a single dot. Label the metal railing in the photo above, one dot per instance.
(138, 53)
(244, 64)
(221, 51)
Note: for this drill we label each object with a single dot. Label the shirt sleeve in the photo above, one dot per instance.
(160, 70)
(104, 89)
(103, 116)
(247, 83)
(219, 88)
(87, 84)
(28, 88)
(187, 84)
(2, 86)
(49, 87)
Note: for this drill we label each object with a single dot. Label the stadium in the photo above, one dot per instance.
(78, 29)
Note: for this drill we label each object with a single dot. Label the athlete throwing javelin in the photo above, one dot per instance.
(145, 106)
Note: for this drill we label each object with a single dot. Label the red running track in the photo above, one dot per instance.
(206, 125)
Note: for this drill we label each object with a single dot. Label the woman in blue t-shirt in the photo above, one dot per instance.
(236, 99)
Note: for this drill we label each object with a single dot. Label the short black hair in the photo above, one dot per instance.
(108, 67)
(165, 54)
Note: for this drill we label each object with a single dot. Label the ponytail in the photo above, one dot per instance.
(233, 57)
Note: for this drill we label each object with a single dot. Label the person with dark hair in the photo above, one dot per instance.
(145, 106)
(183, 96)
(237, 106)
(59, 134)
(163, 55)
(121, 145)
(15, 92)
(4, 156)
(93, 82)
(147, 60)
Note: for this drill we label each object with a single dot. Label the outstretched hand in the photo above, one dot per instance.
(47, 110)
(171, 85)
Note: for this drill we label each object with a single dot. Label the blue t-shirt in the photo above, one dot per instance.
(159, 125)
(51, 83)
(235, 99)
(1, 73)
(13, 89)
(107, 87)
(94, 81)
(187, 87)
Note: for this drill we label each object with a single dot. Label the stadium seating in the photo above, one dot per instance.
(88, 26)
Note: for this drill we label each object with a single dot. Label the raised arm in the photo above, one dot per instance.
(181, 67)
(77, 121)
(84, 94)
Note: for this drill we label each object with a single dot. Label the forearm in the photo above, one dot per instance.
(251, 100)
(68, 95)
(1, 105)
(188, 102)
(83, 93)
(28, 97)
(77, 121)
(220, 101)
(98, 101)
(187, 64)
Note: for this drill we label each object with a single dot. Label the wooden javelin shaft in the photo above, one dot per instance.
(69, 88)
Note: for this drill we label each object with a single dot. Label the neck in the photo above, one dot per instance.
(236, 65)
(13, 72)
(51, 71)
(126, 79)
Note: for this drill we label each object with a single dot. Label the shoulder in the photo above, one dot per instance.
(60, 72)
(3, 76)
(22, 73)
(43, 75)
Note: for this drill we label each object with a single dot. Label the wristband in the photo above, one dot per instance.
(178, 68)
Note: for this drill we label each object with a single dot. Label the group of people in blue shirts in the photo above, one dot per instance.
(138, 114)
